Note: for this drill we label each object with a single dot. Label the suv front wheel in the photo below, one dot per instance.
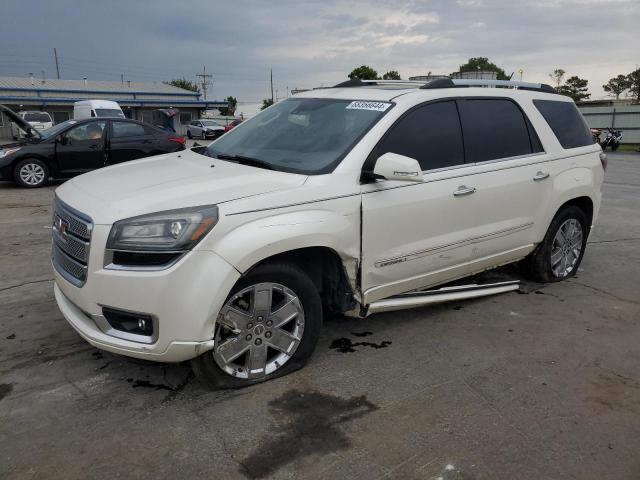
(268, 327)
(559, 254)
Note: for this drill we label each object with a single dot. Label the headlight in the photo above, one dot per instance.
(173, 230)
(8, 151)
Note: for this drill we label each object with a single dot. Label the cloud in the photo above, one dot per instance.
(317, 41)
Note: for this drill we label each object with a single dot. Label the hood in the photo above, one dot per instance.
(21, 123)
(166, 182)
(7, 146)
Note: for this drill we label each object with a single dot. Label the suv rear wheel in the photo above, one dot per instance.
(31, 173)
(268, 327)
(559, 254)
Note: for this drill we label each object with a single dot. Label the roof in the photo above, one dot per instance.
(22, 83)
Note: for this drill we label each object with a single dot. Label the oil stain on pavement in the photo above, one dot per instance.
(5, 389)
(346, 345)
(307, 423)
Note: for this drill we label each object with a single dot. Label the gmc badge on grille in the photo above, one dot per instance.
(60, 226)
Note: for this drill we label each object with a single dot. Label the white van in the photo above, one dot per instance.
(96, 108)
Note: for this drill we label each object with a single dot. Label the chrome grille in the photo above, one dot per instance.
(71, 241)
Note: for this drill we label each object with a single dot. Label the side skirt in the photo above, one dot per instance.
(418, 298)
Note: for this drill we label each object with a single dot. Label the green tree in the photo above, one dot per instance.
(391, 75)
(364, 72)
(617, 85)
(557, 76)
(634, 84)
(184, 84)
(231, 109)
(266, 103)
(483, 63)
(575, 87)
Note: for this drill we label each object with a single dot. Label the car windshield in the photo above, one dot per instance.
(301, 135)
(109, 112)
(56, 129)
(209, 123)
(37, 117)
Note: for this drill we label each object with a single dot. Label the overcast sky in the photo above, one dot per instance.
(315, 42)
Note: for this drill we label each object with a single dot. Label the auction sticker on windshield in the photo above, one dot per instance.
(375, 106)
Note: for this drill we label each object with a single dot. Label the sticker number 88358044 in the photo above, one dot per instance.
(364, 105)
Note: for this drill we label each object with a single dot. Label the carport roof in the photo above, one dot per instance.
(94, 86)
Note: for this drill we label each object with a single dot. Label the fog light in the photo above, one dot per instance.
(129, 322)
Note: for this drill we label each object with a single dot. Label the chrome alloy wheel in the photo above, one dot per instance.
(258, 330)
(566, 248)
(32, 174)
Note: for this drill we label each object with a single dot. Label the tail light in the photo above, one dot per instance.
(180, 140)
(227, 128)
(603, 160)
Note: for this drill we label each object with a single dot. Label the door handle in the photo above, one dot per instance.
(540, 176)
(464, 190)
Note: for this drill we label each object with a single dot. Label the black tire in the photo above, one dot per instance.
(614, 147)
(537, 265)
(295, 279)
(189, 136)
(35, 164)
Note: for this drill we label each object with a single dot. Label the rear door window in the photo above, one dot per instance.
(495, 129)
(431, 134)
(126, 129)
(566, 122)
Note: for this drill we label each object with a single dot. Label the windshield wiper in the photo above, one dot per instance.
(254, 162)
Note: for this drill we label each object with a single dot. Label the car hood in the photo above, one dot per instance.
(20, 122)
(167, 182)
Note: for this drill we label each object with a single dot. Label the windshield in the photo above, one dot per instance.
(209, 123)
(109, 112)
(301, 135)
(37, 117)
(56, 129)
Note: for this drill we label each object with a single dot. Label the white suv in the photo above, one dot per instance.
(353, 200)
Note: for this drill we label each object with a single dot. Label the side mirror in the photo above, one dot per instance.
(392, 166)
(62, 140)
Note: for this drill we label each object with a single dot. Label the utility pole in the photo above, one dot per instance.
(272, 85)
(55, 55)
(205, 80)
(287, 92)
(122, 78)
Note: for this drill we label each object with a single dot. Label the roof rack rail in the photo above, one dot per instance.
(540, 87)
(451, 83)
(356, 82)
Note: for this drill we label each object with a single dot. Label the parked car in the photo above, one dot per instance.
(75, 147)
(233, 124)
(96, 108)
(38, 120)
(204, 128)
(345, 200)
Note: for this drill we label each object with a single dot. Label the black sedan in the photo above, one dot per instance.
(78, 146)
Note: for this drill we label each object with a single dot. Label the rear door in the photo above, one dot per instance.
(129, 141)
(82, 147)
(510, 175)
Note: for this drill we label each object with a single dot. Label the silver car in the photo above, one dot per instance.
(204, 128)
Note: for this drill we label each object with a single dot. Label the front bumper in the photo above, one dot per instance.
(184, 299)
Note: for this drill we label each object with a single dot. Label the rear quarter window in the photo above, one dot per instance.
(566, 122)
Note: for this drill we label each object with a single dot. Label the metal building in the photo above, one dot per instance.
(137, 99)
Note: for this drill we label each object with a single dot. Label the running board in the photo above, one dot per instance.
(419, 298)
